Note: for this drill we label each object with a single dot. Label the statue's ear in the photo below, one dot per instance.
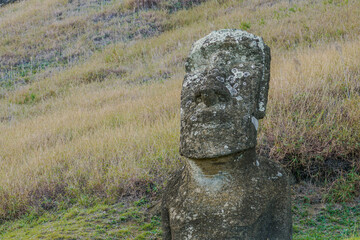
(263, 86)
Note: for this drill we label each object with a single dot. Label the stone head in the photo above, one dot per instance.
(224, 94)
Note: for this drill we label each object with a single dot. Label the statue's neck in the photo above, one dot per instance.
(228, 164)
(212, 174)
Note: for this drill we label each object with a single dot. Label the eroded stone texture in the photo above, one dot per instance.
(236, 197)
(225, 191)
(224, 94)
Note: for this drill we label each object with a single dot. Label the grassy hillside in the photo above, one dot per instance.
(90, 92)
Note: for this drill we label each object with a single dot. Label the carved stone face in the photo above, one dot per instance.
(224, 94)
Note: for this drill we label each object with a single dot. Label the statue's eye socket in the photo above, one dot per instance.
(210, 98)
(222, 98)
(198, 99)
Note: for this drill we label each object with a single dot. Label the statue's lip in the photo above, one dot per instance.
(204, 157)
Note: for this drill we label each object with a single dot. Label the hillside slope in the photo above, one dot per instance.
(90, 90)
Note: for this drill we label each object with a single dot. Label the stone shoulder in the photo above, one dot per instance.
(173, 185)
(272, 171)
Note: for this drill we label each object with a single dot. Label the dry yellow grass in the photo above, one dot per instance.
(97, 128)
(100, 140)
(313, 104)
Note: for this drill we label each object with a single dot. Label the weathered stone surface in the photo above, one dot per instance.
(236, 197)
(224, 94)
(225, 191)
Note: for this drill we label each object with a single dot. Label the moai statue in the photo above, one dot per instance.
(225, 191)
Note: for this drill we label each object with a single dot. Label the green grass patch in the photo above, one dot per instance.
(101, 221)
(330, 221)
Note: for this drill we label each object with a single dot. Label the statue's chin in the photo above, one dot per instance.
(209, 149)
(213, 139)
